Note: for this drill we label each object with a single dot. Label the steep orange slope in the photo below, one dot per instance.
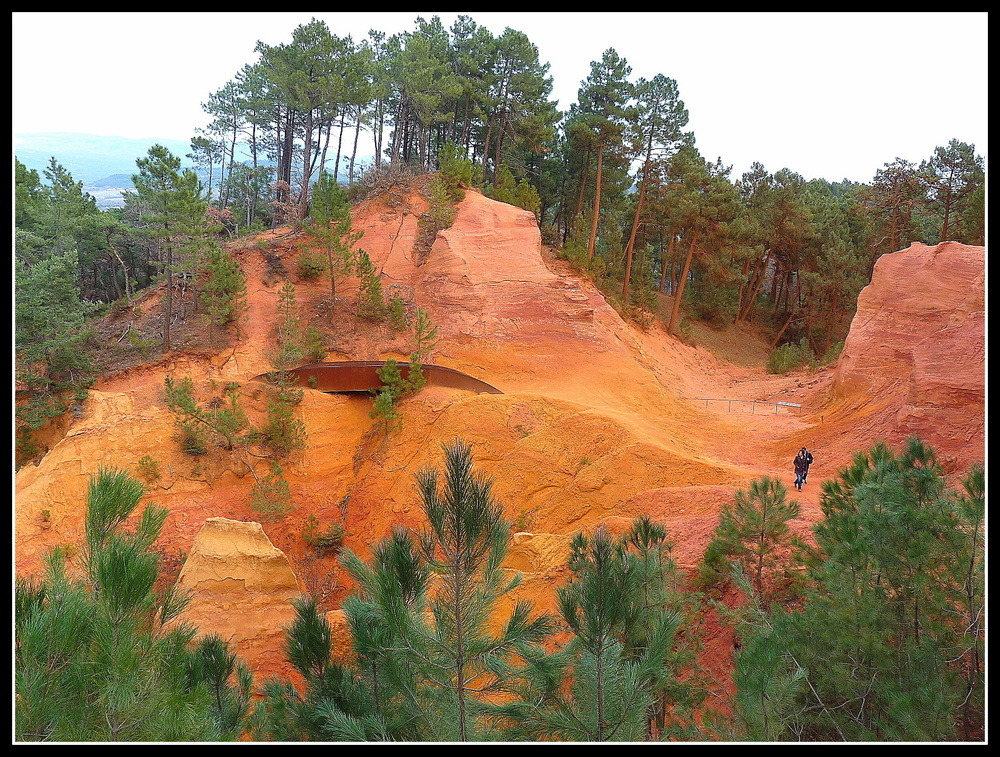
(598, 421)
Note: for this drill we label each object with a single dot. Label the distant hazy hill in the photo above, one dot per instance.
(94, 160)
(118, 180)
(105, 165)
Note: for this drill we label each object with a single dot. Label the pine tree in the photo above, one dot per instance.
(371, 303)
(332, 705)
(271, 496)
(68, 216)
(779, 227)
(834, 272)
(658, 132)
(513, 94)
(49, 324)
(92, 660)
(57, 237)
(754, 534)
(663, 590)
(701, 205)
(770, 685)
(434, 655)
(289, 328)
(604, 685)
(426, 85)
(604, 105)
(331, 216)
(890, 203)
(395, 387)
(465, 546)
(391, 598)
(425, 335)
(950, 177)
(227, 679)
(312, 78)
(224, 291)
(176, 216)
(223, 421)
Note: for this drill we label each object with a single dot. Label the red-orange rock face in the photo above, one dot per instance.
(918, 339)
(240, 587)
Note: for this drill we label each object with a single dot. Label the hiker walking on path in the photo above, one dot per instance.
(802, 462)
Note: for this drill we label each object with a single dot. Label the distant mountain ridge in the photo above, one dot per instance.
(90, 158)
(105, 164)
(115, 181)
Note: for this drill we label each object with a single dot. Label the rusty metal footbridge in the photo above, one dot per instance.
(350, 376)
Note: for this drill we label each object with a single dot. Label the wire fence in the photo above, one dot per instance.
(768, 407)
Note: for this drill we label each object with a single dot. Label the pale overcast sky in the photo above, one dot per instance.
(828, 95)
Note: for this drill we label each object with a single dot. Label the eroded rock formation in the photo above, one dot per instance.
(240, 587)
(916, 348)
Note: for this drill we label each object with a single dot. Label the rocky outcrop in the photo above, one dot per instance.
(916, 348)
(488, 268)
(240, 587)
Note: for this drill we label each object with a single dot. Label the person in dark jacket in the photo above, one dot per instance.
(802, 462)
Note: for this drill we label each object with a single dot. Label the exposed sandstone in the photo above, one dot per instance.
(916, 348)
(241, 588)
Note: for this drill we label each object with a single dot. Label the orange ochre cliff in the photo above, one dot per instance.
(598, 421)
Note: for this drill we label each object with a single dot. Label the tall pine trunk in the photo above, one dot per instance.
(756, 282)
(592, 244)
(340, 143)
(681, 284)
(665, 263)
(635, 221)
(169, 298)
(354, 148)
(306, 171)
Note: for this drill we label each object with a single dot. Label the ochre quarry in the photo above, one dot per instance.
(595, 421)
